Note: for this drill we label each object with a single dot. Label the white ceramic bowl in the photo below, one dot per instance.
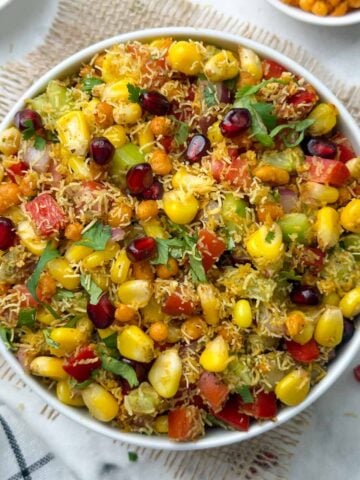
(349, 19)
(214, 438)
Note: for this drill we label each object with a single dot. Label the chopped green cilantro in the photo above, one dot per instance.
(91, 288)
(6, 335)
(27, 317)
(49, 340)
(133, 456)
(96, 237)
(270, 237)
(245, 394)
(48, 254)
(134, 93)
(210, 95)
(88, 83)
(30, 132)
(182, 132)
(120, 368)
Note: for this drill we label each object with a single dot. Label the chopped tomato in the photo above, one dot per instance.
(211, 247)
(166, 141)
(236, 173)
(46, 214)
(272, 69)
(323, 170)
(185, 423)
(231, 414)
(264, 406)
(303, 353)
(176, 305)
(92, 185)
(82, 364)
(346, 151)
(17, 170)
(213, 390)
(303, 98)
(26, 299)
(313, 258)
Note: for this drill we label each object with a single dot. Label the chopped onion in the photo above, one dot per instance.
(38, 160)
(288, 199)
(117, 234)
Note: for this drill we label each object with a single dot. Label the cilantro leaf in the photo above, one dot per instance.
(197, 269)
(249, 90)
(49, 340)
(134, 93)
(71, 323)
(231, 82)
(258, 127)
(91, 288)
(62, 294)
(210, 95)
(133, 456)
(39, 143)
(182, 132)
(27, 317)
(120, 368)
(111, 340)
(81, 385)
(48, 254)
(29, 131)
(88, 83)
(6, 335)
(165, 248)
(96, 237)
(291, 139)
(270, 237)
(245, 394)
(265, 110)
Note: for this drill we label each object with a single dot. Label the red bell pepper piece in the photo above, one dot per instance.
(303, 98)
(81, 365)
(185, 423)
(264, 406)
(231, 414)
(213, 390)
(323, 170)
(17, 170)
(211, 247)
(46, 214)
(272, 69)
(176, 305)
(345, 149)
(303, 353)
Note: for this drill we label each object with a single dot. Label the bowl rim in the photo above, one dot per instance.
(350, 18)
(216, 438)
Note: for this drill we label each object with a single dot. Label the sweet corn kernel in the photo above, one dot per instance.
(127, 113)
(192, 183)
(215, 357)
(78, 166)
(350, 216)
(48, 367)
(10, 141)
(353, 166)
(305, 334)
(153, 228)
(329, 328)
(67, 395)
(152, 312)
(99, 258)
(250, 63)
(135, 344)
(117, 92)
(84, 324)
(73, 132)
(162, 424)
(210, 303)
(30, 239)
(324, 116)
(68, 340)
(60, 269)
(242, 315)
(266, 243)
(165, 373)
(89, 109)
(350, 303)
(214, 134)
(185, 57)
(327, 227)
(120, 267)
(293, 388)
(323, 194)
(101, 280)
(221, 66)
(75, 253)
(45, 317)
(135, 293)
(117, 135)
(332, 299)
(180, 207)
(102, 404)
(145, 138)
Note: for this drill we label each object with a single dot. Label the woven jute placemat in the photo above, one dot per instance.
(81, 23)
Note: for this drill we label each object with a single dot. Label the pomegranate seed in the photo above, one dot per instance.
(320, 147)
(236, 121)
(304, 295)
(23, 116)
(197, 148)
(167, 143)
(206, 122)
(101, 150)
(101, 314)
(357, 372)
(81, 365)
(141, 249)
(155, 103)
(7, 233)
(139, 178)
(154, 192)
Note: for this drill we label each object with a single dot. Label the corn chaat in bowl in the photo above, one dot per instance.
(180, 237)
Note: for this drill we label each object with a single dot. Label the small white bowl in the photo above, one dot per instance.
(349, 19)
(215, 437)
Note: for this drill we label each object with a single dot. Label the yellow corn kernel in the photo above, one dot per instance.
(266, 243)
(15, 214)
(101, 280)
(127, 113)
(10, 141)
(214, 134)
(210, 303)
(78, 166)
(215, 357)
(250, 63)
(146, 138)
(293, 388)
(74, 132)
(185, 57)
(135, 293)
(120, 267)
(30, 239)
(350, 216)
(60, 269)
(242, 315)
(67, 339)
(305, 334)
(161, 43)
(67, 395)
(272, 175)
(323, 194)
(135, 344)
(84, 324)
(102, 404)
(191, 182)
(329, 328)
(89, 109)
(152, 312)
(327, 227)
(105, 332)
(45, 317)
(161, 424)
(324, 116)
(165, 373)
(153, 228)
(221, 66)
(353, 166)
(117, 92)
(99, 258)
(75, 253)
(180, 207)
(350, 303)
(117, 135)
(49, 367)
(332, 299)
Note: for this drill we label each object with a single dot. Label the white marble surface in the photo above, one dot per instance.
(329, 448)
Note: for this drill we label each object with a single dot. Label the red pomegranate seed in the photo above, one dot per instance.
(139, 178)
(236, 121)
(305, 295)
(167, 143)
(17, 170)
(155, 103)
(321, 147)
(7, 233)
(154, 192)
(23, 116)
(357, 372)
(101, 314)
(81, 365)
(197, 148)
(141, 249)
(101, 150)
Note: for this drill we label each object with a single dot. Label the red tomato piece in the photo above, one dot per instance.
(213, 390)
(17, 170)
(313, 258)
(264, 406)
(346, 151)
(303, 353)
(82, 364)
(166, 141)
(185, 423)
(92, 185)
(176, 305)
(211, 247)
(217, 167)
(236, 173)
(272, 69)
(231, 414)
(46, 214)
(303, 98)
(26, 299)
(323, 170)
